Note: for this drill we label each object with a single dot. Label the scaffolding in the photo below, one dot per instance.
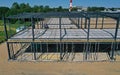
(64, 36)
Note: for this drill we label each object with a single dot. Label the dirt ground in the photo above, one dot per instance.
(55, 68)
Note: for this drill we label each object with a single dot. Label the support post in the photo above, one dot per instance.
(96, 21)
(5, 29)
(6, 35)
(86, 54)
(9, 28)
(8, 48)
(60, 38)
(115, 38)
(12, 48)
(113, 49)
(39, 24)
(42, 24)
(117, 26)
(32, 21)
(88, 29)
(85, 23)
(78, 23)
(87, 47)
(81, 21)
(102, 22)
(33, 49)
(41, 50)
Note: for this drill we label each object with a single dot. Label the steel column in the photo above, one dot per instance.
(42, 24)
(5, 28)
(88, 29)
(8, 48)
(9, 29)
(116, 33)
(13, 57)
(102, 22)
(87, 47)
(117, 26)
(33, 49)
(41, 50)
(81, 22)
(113, 49)
(96, 21)
(6, 35)
(86, 54)
(60, 38)
(32, 21)
(78, 23)
(85, 23)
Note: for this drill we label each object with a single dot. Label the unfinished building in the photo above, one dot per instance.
(64, 36)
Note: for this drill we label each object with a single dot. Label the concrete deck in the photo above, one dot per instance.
(67, 35)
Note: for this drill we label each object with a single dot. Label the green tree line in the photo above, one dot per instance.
(17, 8)
(96, 8)
(25, 7)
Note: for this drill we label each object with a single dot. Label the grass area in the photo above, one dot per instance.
(11, 30)
(2, 35)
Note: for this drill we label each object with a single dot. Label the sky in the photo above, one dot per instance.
(64, 3)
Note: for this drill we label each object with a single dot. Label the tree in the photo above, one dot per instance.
(15, 5)
(36, 8)
(112, 9)
(25, 7)
(3, 11)
(28, 8)
(96, 9)
(41, 8)
(74, 9)
(46, 9)
(22, 6)
(59, 8)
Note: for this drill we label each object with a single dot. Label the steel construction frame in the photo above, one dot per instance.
(86, 15)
